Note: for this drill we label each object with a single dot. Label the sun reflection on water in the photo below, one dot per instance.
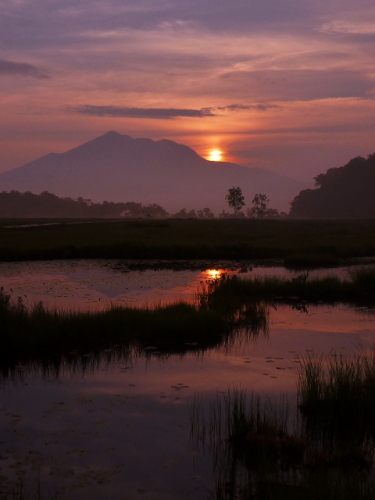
(214, 274)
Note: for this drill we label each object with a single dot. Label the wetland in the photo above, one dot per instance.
(103, 363)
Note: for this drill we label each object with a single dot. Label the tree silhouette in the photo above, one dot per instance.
(235, 199)
(341, 193)
(259, 208)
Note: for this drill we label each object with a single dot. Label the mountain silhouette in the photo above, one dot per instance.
(116, 167)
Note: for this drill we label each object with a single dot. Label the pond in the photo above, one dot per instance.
(98, 283)
(120, 428)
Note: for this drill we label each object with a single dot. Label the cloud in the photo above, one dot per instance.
(161, 113)
(23, 69)
(349, 27)
(294, 85)
(127, 112)
(239, 107)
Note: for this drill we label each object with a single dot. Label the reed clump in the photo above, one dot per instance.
(321, 447)
(336, 394)
(53, 338)
(358, 288)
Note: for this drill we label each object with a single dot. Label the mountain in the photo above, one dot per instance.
(116, 167)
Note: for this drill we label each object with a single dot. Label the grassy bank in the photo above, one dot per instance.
(301, 243)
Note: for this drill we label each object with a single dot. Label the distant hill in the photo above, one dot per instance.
(118, 168)
(341, 193)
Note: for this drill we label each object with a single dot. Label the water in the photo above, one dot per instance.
(95, 284)
(121, 429)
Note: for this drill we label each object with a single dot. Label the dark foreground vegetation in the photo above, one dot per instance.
(299, 243)
(357, 289)
(50, 341)
(323, 447)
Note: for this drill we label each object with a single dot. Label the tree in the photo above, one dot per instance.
(259, 208)
(205, 214)
(235, 199)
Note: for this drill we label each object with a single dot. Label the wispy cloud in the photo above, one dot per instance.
(240, 107)
(349, 27)
(23, 69)
(127, 112)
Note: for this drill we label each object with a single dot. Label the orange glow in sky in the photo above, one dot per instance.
(240, 81)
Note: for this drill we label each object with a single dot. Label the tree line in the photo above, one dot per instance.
(16, 204)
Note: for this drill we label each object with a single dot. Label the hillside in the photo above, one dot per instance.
(119, 168)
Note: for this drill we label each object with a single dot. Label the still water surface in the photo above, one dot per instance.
(92, 284)
(122, 430)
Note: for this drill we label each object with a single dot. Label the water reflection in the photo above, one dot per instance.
(267, 451)
(99, 283)
(213, 274)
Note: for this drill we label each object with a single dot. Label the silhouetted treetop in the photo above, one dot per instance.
(341, 193)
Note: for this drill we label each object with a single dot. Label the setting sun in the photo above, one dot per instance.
(215, 155)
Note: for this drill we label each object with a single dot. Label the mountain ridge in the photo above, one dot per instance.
(119, 168)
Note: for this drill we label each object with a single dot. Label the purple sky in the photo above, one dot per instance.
(286, 85)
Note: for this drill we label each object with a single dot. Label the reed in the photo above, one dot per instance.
(321, 447)
(336, 394)
(53, 339)
(358, 288)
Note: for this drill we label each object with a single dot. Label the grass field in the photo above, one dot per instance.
(300, 243)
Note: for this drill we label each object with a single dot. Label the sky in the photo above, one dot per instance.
(285, 85)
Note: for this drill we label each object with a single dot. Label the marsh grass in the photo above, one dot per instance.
(358, 288)
(54, 339)
(321, 447)
(336, 395)
(304, 243)
(20, 492)
(222, 311)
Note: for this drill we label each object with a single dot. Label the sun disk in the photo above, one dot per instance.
(215, 155)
